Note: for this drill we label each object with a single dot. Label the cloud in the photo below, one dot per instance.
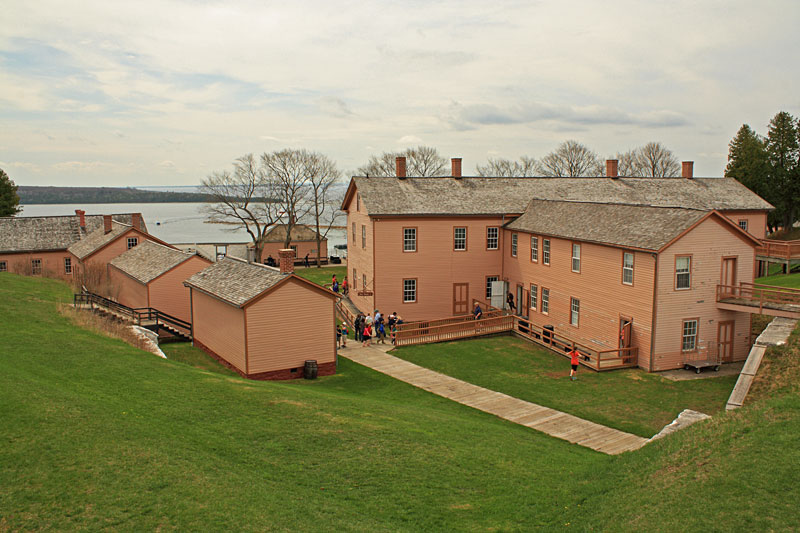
(335, 106)
(83, 166)
(409, 139)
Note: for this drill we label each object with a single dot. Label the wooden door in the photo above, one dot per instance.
(519, 300)
(725, 340)
(461, 298)
(728, 275)
(625, 327)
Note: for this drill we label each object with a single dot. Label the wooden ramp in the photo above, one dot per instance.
(554, 423)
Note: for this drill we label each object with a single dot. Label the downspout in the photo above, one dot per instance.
(191, 315)
(655, 309)
(502, 247)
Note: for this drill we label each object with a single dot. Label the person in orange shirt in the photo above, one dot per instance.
(574, 355)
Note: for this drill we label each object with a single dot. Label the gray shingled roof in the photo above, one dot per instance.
(234, 281)
(149, 260)
(644, 227)
(300, 233)
(495, 196)
(28, 234)
(97, 239)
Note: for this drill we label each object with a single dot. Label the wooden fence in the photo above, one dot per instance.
(779, 249)
(345, 313)
(754, 294)
(426, 333)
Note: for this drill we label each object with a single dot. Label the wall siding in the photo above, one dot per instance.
(756, 221)
(303, 248)
(708, 243)
(220, 327)
(128, 291)
(289, 325)
(52, 263)
(167, 292)
(603, 297)
(359, 258)
(435, 265)
(115, 248)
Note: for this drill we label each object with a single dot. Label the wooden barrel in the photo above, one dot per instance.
(310, 369)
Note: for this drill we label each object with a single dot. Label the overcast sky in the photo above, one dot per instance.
(164, 92)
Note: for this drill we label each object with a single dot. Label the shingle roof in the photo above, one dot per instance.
(28, 234)
(495, 196)
(644, 227)
(97, 239)
(234, 281)
(300, 233)
(149, 260)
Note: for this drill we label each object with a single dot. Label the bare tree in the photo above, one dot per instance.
(628, 164)
(572, 159)
(323, 175)
(526, 167)
(245, 198)
(422, 161)
(289, 170)
(657, 161)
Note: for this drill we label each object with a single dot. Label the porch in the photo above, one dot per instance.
(762, 299)
(785, 253)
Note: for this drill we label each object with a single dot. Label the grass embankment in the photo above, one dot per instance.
(631, 400)
(97, 434)
(322, 275)
(781, 280)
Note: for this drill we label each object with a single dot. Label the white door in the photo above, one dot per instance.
(499, 291)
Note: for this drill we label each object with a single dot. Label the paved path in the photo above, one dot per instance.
(555, 423)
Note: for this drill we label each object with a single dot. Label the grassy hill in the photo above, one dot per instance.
(97, 434)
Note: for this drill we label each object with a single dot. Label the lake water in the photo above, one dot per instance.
(170, 222)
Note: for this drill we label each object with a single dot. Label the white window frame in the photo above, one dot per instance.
(576, 259)
(627, 269)
(545, 300)
(545, 251)
(687, 273)
(36, 266)
(459, 243)
(743, 223)
(575, 312)
(409, 239)
(490, 238)
(67, 265)
(534, 296)
(363, 237)
(689, 335)
(514, 240)
(535, 249)
(3, 266)
(409, 291)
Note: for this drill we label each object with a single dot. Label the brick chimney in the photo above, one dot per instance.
(286, 260)
(612, 166)
(400, 166)
(455, 165)
(107, 223)
(81, 218)
(136, 221)
(688, 169)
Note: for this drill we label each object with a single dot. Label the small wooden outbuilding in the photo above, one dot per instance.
(152, 275)
(260, 322)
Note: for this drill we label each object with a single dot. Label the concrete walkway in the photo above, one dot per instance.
(554, 423)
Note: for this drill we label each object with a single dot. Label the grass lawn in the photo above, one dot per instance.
(631, 400)
(322, 275)
(97, 434)
(781, 280)
(192, 356)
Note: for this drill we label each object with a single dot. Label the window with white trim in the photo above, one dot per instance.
(132, 241)
(575, 313)
(355, 279)
(459, 238)
(492, 238)
(546, 251)
(576, 257)
(354, 235)
(534, 296)
(363, 236)
(545, 300)
(363, 282)
(3, 266)
(513, 245)
(67, 265)
(489, 280)
(409, 290)
(534, 249)
(743, 224)
(409, 239)
(36, 266)
(683, 272)
(689, 338)
(627, 268)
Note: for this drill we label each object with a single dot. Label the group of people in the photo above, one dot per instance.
(376, 326)
(344, 287)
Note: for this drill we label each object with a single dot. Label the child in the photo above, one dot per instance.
(345, 287)
(367, 335)
(574, 355)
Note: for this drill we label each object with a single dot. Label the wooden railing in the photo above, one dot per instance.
(596, 359)
(779, 249)
(758, 295)
(136, 315)
(345, 313)
(426, 333)
(490, 312)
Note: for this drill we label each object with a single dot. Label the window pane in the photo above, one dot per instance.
(460, 239)
(514, 244)
(683, 272)
(689, 335)
(409, 290)
(576, 257)
(409, 239)
(489, 281)
(627, 268)
(534, 296)
(363, 236)
(576, 310)
(492, 238)
(545, 300)
(546, 251)
(534, 248)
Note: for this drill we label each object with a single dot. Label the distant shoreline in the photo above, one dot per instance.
(34, 195)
